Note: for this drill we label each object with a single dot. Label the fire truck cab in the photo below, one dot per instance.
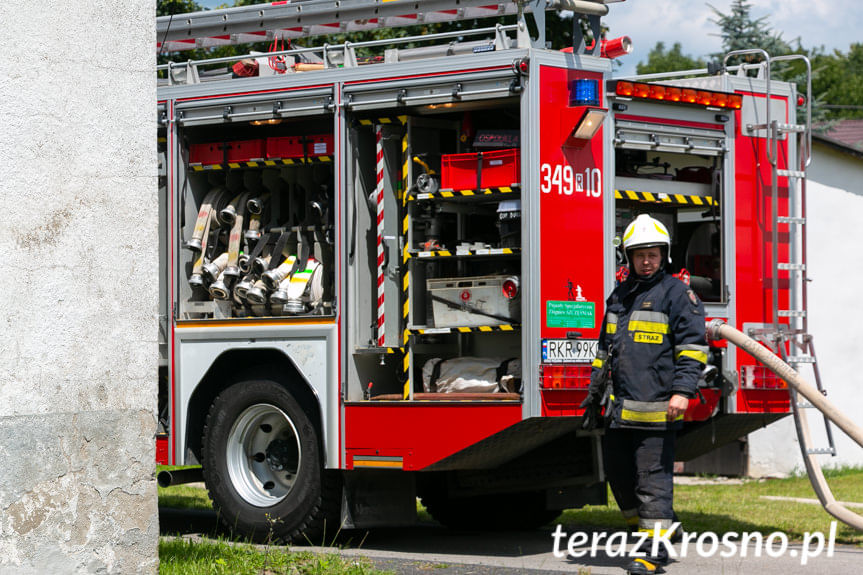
(384, 272)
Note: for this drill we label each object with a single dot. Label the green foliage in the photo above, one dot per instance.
(661, 60)
(739, 31)
(837, 79)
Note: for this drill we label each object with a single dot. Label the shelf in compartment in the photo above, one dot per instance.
(489, 397)
(449, 194)
(480, 253)
(663, 198)
(263, 163)
(358, 350)
(419, 330)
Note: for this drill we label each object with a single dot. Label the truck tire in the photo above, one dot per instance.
(263, 467)
(513, 511)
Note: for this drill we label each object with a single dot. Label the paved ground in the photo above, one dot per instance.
(430, 549)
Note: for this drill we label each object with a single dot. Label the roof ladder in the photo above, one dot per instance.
(293, 20)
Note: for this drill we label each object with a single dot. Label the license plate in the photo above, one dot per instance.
(568, 350)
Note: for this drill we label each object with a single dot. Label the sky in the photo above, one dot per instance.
(834, 24)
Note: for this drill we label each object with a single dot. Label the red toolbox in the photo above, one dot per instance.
(285, 147)
(319, 145)
(245, 150)
(209, 153)
(495, 169)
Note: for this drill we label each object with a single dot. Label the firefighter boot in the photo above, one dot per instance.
(643, 567)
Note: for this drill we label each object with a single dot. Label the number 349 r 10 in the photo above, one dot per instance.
(563, 180)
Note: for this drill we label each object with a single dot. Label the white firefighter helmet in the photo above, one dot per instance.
(646, 232)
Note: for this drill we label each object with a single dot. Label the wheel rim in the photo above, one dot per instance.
(263, 455)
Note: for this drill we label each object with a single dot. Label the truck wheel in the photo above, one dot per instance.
(490, 512)
(263, 467)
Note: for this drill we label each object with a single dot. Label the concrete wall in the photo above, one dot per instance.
(835, 312)
(78, 234)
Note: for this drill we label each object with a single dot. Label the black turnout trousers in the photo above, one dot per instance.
(639, 465)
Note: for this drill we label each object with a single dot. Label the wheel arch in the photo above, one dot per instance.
(236, 365)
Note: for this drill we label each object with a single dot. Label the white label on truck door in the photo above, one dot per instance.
(568, 350)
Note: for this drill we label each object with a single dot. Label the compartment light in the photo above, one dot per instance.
(587, 126)
(270, 122)
(647, 91)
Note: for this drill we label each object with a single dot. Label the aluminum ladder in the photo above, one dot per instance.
(793, 341)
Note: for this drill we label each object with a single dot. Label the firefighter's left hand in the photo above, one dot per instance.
(676, 406)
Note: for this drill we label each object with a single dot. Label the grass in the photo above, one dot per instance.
(716, 507)
(184, 496)
(722, 508)
(184, 557)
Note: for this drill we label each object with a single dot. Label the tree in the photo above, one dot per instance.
(739, 31)
(837, 82)
(661, 60)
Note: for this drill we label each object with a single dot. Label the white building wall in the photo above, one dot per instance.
(834, 217)
(78, 234)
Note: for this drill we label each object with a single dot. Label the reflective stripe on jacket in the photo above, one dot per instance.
(655, 329)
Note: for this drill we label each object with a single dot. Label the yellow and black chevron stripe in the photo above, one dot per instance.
(405, 271)
(270, 163)
(477, 329)
(464, 193)
(677, 199)
(383, 120)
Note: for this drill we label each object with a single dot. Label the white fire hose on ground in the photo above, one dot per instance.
(717, 329)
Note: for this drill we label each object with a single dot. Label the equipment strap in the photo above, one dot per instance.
(276, 260)
(470, 309)
(259, 247)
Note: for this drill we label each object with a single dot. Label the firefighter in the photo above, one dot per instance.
(652, 347)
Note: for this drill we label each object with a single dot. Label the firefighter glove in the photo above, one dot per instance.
(592, 412)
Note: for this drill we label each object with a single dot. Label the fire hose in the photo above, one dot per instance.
(717, 329)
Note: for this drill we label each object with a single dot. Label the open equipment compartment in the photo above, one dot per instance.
(438, 197)
(257, 229)
(674, 173)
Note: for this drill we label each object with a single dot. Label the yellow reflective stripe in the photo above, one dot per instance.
(648, 326)
(611, 328)
(698, 356)
(651, 568)
(645, 416)
(597, 363)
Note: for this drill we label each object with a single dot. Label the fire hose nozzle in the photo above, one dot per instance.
(219, 289)
(193, 244)
(213, 269)
(295, 306)
(231, 272)
(228, 215)
(196, 280)
(275, 277)
(242, 288)
(252, 235)
(257, 294)
(279, 297)
(713, 327)
(255, 206)
(259, 265)
(244, 264)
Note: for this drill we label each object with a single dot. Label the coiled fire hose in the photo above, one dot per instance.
(717, 329)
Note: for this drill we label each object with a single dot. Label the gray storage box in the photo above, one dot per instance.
(463, 302)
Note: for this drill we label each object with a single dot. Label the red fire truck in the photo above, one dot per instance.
(385, 262)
